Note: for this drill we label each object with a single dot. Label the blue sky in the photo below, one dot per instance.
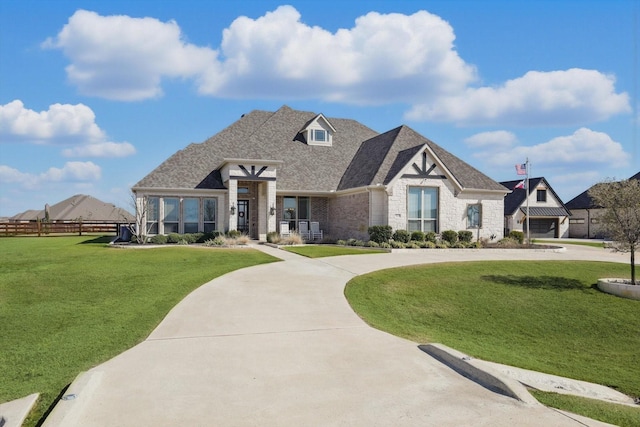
(96, 94)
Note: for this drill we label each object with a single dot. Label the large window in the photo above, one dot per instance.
(171, 215)
(474, 216)
(190, 214)
(153, 213)
(296, 209)
(422, 209)
(542, 195)
(209, 214)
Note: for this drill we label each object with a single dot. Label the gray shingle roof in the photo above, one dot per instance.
(79, 206)
(358, 156)
(517, 197)
(584, 200)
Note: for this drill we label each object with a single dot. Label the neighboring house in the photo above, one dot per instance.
(76, 208)
(585, 216)
(548, 216)
(291, 166)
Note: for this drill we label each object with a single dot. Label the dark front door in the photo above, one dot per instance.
(243, 216)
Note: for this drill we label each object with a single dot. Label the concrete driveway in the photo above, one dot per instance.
(278, 345)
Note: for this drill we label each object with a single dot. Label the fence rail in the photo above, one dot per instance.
(46, 228)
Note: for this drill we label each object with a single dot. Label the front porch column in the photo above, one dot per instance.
(233, 204)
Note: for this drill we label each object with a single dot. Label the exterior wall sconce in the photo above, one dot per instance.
(272, 210)
(233, 209)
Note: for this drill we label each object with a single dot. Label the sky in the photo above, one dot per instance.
(96, 94)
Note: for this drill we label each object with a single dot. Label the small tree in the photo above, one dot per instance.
(140, 230)
(621, 218)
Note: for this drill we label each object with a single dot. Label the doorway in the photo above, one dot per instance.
(243, 216)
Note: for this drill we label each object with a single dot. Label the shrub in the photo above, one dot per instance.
(234, 234)
(475, 245)
(396, 245)
(372, 244)
(385, 245)
(429, 245)
(413, 245)
(458, 245)
(173, 238)
(159, 239)
(442, 244)
(402, 236)
(182, 242)
(341, 242)
(418, 236)
(430, 236)
(450, 236)
(517, 236)
(292, 239)
(380, 233)
(508, 242)
(243, 240)
(203, 237)
(465, 236)
(217, 241)
(273, 237)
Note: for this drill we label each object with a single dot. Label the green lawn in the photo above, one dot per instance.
(546, 316)
(571, 242)
(70, 303)
(319, 251)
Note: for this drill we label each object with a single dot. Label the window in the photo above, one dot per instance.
(190, 215)
(153, 212)
(296, 209)
(319, 135)
(542, 195)
(576, 221)
(243, 190)
(422, 209)
(209, 214)
(171, 215)
(474, 216)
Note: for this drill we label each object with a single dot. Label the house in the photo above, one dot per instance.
(76, 208)
(288, 166)
(548, 215)
(585, 214)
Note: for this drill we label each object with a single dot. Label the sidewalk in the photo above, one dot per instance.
(278, 345)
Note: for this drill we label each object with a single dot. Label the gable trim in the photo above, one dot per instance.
(438, 163)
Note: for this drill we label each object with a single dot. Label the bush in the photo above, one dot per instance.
(402, 236)
(234, 234)
(465, 236)
(217, 241)
(372, 244)
(341, 242)
(173, 238)
(190, 237)
(429, 245)
(413, 245)
(517, 236)
(458, 245)
(203, 237)
(450, 236)
(380, 233)
(159, 239)
(442, 244)
(508, 242)
(396, 245)
(183, 242)
(430, 237)
(273, 237)
(418, 236)
(385, 245)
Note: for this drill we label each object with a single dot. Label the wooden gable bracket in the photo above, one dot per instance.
(423, 172)
(253, 175)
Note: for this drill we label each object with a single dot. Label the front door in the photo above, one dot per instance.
(243, 216)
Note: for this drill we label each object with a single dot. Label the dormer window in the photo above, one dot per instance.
(318, 131)
(319, 135)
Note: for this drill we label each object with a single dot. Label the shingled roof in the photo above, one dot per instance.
(584, 201)
(515, 200)
(357, 157)
(79, 206)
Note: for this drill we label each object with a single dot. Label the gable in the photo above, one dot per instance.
(318, 131)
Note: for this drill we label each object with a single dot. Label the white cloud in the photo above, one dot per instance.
(583, 147)
(101, 149)
(382, 59)
(71, 172)
(552, 98)
(124, 58)
(61, 124)
(499, 139)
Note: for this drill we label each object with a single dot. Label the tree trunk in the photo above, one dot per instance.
(633, 265)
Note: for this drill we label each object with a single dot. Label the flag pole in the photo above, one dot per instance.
(528, 193)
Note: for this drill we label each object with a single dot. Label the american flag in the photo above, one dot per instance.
(521, 169)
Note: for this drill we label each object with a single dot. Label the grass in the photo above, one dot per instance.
(70, 303)
(545, 316)
(599, 245)
(620, 415)
(320, 251)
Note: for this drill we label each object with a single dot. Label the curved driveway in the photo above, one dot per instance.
(278, 345)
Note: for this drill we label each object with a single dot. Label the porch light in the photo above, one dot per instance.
(272, 210)
(233, 209)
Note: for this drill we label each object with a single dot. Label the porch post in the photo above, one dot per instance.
(271, 203)
(233, 204)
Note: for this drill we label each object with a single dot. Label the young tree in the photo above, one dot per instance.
(140, 229)
(621, 218)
